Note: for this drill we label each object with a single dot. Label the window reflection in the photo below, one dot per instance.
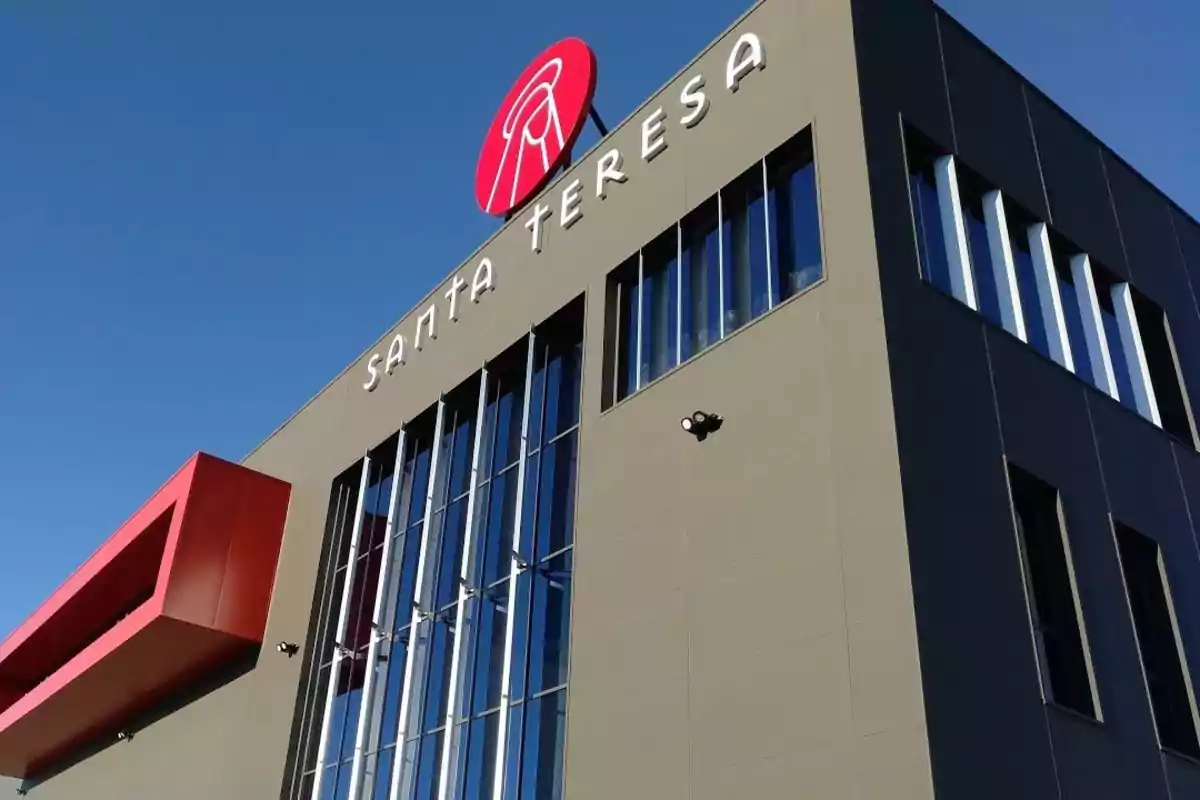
(732, 259)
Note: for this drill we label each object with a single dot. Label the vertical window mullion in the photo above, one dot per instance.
(398, 766)
(641, 340)
(513, 574)
(720, 266)
(340, 653)
(377, 623)
(1005, 267)
(766, 190)
(451, 734)
(1048, 296)
(1135, 353)
(1093, 325)
(678, 293)
(962, 281)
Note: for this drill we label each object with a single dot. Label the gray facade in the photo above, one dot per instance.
(825, 597)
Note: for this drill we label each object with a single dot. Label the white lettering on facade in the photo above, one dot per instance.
(534, 225)
(691, 97)
(746, 56)
(608, 168)
(654, 134)
(572, 196)
(373, 372)
(482, 282)
(456, 286)
(740, 63)
(395, 354)
(429, 321)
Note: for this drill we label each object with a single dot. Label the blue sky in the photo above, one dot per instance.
(207, 210)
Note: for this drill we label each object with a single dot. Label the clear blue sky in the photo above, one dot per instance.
(208, 209)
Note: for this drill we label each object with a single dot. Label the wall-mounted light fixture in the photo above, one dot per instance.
(701, 423)
(288, 649)
(124, 736)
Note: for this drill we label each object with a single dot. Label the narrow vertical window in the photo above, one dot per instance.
(486, 613)
(794, 219)
(532, 763)
(1008, 292)
(1091, 311)
(660, 272)
(1050, 590)
(745, 249)
(396, 615)
(436, 601)
(622, 317)
(1019, 224)
(351, 640)
(1162, 364)
(1165, 667)
(1049, 294)
(1106, 289)
(927, 211)
(322, 627)
(987, 272)
(1071, 298)
(700, 271)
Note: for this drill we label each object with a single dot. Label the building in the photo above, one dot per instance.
(931, 534)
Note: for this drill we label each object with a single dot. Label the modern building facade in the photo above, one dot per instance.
(933, 533)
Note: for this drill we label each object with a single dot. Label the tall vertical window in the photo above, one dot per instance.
(347, 640)
(1071, 296)
(435, 609)
(987, 272)
(442, 625)
(700, 268)
(1106, 287)
(537, 681)
(1163, 662)
(927, 211)
(311, 705)
(1050, 590)
(1162, 366)
(744, 248)
(1031, 305)
(741, 253)
(794, 228)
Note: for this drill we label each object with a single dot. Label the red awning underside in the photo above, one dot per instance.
(181, 588)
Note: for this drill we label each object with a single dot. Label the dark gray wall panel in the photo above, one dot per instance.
(1145, 491)
(1187, 233)
(991, 124)
(1073, 170)
(899, 55)
(972, 619)
(1184, 777)
(1047, 431)
(1155, 264)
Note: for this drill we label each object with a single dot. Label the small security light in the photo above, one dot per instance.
(124, 736)
(288, 649)
(700, 424)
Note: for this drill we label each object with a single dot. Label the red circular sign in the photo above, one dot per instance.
(535, 127)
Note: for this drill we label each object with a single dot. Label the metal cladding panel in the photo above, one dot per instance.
(181, 587)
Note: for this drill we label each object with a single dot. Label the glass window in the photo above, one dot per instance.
(795, 226)
(621, 344)
(971, 192)
(927, 214)
(744, 243)
(659, 306)
(1158, 641)
(1049, 588)
(1163, 366)
(1027, 286)
(700, 272)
